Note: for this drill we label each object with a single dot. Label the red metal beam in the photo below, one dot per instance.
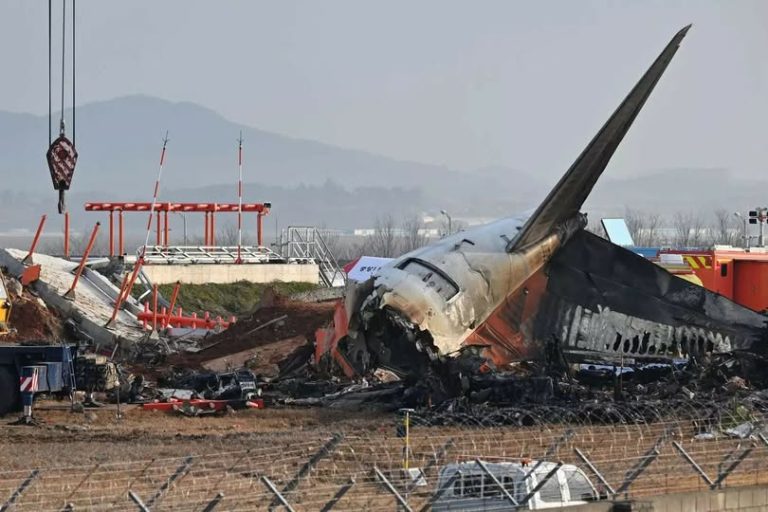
(70, 294)
(205, 237)
(166, 229)
(178, 207)
(111, 233)
(28, 258)
(120, 241)
(66, 235)
(259, 229)
(213, 227)
(157, 228)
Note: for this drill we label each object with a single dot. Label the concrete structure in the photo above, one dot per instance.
(202, 273)
(729, 499)
(94, 297)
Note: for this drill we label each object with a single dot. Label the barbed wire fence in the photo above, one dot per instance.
(629, 450)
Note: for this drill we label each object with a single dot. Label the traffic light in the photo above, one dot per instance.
(758, 215)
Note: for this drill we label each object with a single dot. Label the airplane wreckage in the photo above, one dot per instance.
(519, 288)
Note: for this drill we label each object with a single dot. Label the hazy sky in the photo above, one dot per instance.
(465, 84)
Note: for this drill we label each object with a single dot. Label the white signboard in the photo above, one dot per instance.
(365, 267)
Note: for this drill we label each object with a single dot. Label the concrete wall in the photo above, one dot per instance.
(729, 499)
(229, 273)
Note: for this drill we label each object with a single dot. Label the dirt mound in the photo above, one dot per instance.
(277, 319)
(30, 320)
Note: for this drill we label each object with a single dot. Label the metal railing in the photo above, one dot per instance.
(185, 255)
(307, 242)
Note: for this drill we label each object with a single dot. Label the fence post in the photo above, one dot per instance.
(447, 485)
(391, 489)
(277, 494)
(693, 463)
(20, 490)
(135, 498)
(595, 472)
(214, 502)
(432, 462)
(85, 478)
(551, 451)
(646, 461)
(339, 494)
(181, 470)
(722, 476)
(496, 482)
(324, 451)
(540, 484)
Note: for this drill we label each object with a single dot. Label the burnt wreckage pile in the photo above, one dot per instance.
(534, 308)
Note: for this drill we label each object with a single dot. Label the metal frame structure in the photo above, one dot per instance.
(307, 243)
(162, 212)
(186, 255)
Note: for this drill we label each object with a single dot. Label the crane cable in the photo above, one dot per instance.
(61, 155)
(63, 68)
(50, 113)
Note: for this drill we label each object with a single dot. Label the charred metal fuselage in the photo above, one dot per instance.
(521, 285)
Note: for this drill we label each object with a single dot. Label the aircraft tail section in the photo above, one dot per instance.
(566, 199)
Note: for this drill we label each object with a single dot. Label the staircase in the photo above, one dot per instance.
(306, 242)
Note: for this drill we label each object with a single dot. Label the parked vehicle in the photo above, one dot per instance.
(473, 489)
(34, 368)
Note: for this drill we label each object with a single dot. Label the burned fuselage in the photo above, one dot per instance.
(438, 296)
(505, 288)
(593, 299)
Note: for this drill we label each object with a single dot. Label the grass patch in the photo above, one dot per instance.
(228, 299)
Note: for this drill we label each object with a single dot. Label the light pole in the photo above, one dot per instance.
(184, 220)
(746, 238)
(450, 227)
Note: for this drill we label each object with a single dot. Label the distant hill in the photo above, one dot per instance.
(119, 144)
(308, 182)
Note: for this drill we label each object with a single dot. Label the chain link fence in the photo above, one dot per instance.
(629, 450)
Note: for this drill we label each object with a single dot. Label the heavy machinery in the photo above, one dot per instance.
(5, 307)
(56, 370)
(31, 369)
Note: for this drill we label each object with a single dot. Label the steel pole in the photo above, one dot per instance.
(259, 229)
(111, 233)
(120, 239)
(66, 235)
(28, 258)
(240, 199)
(70, 294)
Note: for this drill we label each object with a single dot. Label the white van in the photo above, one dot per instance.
(474, 490)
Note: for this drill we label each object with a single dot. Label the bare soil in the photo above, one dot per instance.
(97, 435)
(31, 320)
(300, 319)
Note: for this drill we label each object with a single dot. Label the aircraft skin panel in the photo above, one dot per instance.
(604, 299)
(508, 332)
(600, 301)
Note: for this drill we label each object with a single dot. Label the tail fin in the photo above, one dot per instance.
(565, 200)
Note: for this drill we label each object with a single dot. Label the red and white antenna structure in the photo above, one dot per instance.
(154, 198)
(239, 198)
(128, 284)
